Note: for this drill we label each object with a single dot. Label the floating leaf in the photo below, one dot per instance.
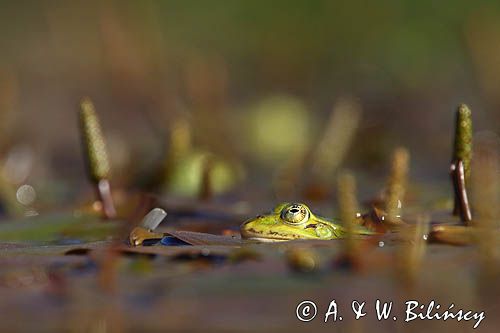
(198, 238)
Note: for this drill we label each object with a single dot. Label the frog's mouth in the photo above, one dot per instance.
(265, 240)
(252, 234)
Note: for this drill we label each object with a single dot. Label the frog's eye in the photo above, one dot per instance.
(295, 213)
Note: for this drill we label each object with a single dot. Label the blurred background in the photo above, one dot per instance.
(271, 88)
(216, 111)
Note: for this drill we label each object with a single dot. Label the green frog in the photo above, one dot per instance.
(290, 221)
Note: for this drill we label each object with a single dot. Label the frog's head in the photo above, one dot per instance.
(289, 221)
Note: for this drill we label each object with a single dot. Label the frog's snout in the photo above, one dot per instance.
(247, 228)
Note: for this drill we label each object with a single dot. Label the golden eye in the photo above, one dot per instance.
(295, 214)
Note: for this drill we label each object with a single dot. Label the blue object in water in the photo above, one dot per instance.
(172, 241)
(68, 241)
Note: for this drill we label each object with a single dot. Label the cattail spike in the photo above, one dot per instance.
(179, 147)
(462, 149)
(348, 206)
(410, 256)
(396, 186)
(94, 145)
(96, 156)
(206, 184)
(462, 153)
(337, 138)
(181, 136)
